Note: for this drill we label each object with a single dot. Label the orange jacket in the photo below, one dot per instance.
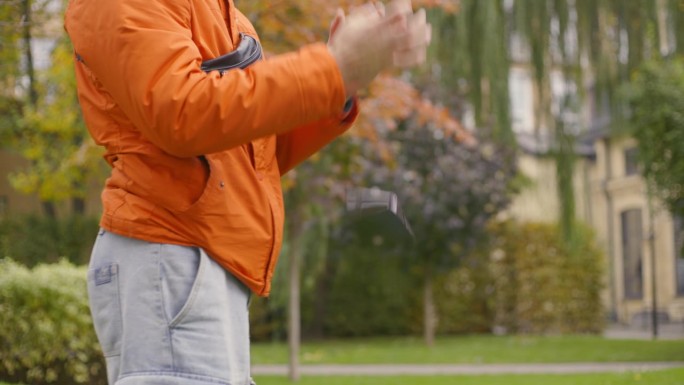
(197, 158)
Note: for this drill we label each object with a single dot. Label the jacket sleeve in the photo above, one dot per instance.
(142, 53)
(294, 147)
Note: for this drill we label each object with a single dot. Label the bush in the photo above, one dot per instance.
(34, 239)
(526, 280)
(544, 285)
(462, 299)
(267, 322)
(372, 293)
(47, 335)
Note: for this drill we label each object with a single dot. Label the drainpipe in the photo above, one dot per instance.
(651, 241)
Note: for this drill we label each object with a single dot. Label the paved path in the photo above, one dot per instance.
(666, 332)
(429, 370)
(669, 331)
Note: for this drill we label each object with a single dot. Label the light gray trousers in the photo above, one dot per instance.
(167, 314)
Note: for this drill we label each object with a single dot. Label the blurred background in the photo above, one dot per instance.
(538, 156)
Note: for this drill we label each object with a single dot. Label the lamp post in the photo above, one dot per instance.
(651, 241)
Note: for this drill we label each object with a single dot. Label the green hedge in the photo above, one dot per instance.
(526, 280)
(372, 293)
(34, 239)
(47, 336)
(544, 285)
(462, 299)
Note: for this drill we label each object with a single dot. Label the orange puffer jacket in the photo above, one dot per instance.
(197, 158)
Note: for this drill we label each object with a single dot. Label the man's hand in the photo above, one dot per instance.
(367, 42)
(420, 34)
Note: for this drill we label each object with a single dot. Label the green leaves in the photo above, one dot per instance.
(656, 97)
(543, 285)
(47, 332)
(53, 136)
(39, 113)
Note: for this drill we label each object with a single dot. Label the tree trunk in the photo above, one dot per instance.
(294, 323)
(322, 290)
(663, 32)
(49, 209)
(429, 313)
(78, 206)
(33, 94)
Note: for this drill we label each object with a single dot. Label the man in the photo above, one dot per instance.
(193, 210)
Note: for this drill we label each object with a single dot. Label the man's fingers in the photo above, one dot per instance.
(365, 9)
(396, 24)
(400, 6)
(411, 48)
(380, 8)
(418, 33)
(410, 58)
(370, 39)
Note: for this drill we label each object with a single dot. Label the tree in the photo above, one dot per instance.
(10, 56)
(43, 120)
(571, 49)
(283, 26)
(54, 138)
(448, 190)
(656, 98)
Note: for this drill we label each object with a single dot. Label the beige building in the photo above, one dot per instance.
(641, 239)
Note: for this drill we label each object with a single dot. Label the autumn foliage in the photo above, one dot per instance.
(285, 25)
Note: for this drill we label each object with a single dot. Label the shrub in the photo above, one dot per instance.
(544, 285)
(526, 280)
(34, 239)
(47, 335)
(371, 293)
(267, 322)
(462, 299)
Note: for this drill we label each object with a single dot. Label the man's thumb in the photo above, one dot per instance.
(336, 23)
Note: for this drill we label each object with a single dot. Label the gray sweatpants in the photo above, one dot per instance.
(167, 314)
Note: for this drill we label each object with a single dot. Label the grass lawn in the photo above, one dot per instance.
(475, 349)
(664, 377)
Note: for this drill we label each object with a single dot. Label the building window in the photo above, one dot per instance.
(679, 253)
(632, 261)
(632, 161)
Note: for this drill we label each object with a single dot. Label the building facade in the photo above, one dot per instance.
(643, 242)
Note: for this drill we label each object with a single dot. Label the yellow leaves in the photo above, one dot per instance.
(53, 138)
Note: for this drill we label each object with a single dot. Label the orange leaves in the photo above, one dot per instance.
(439, 117)
(391, 100)
(449, 6)
(287, 24)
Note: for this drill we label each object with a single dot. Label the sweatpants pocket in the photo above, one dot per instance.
(180, 272)
(105, 307)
